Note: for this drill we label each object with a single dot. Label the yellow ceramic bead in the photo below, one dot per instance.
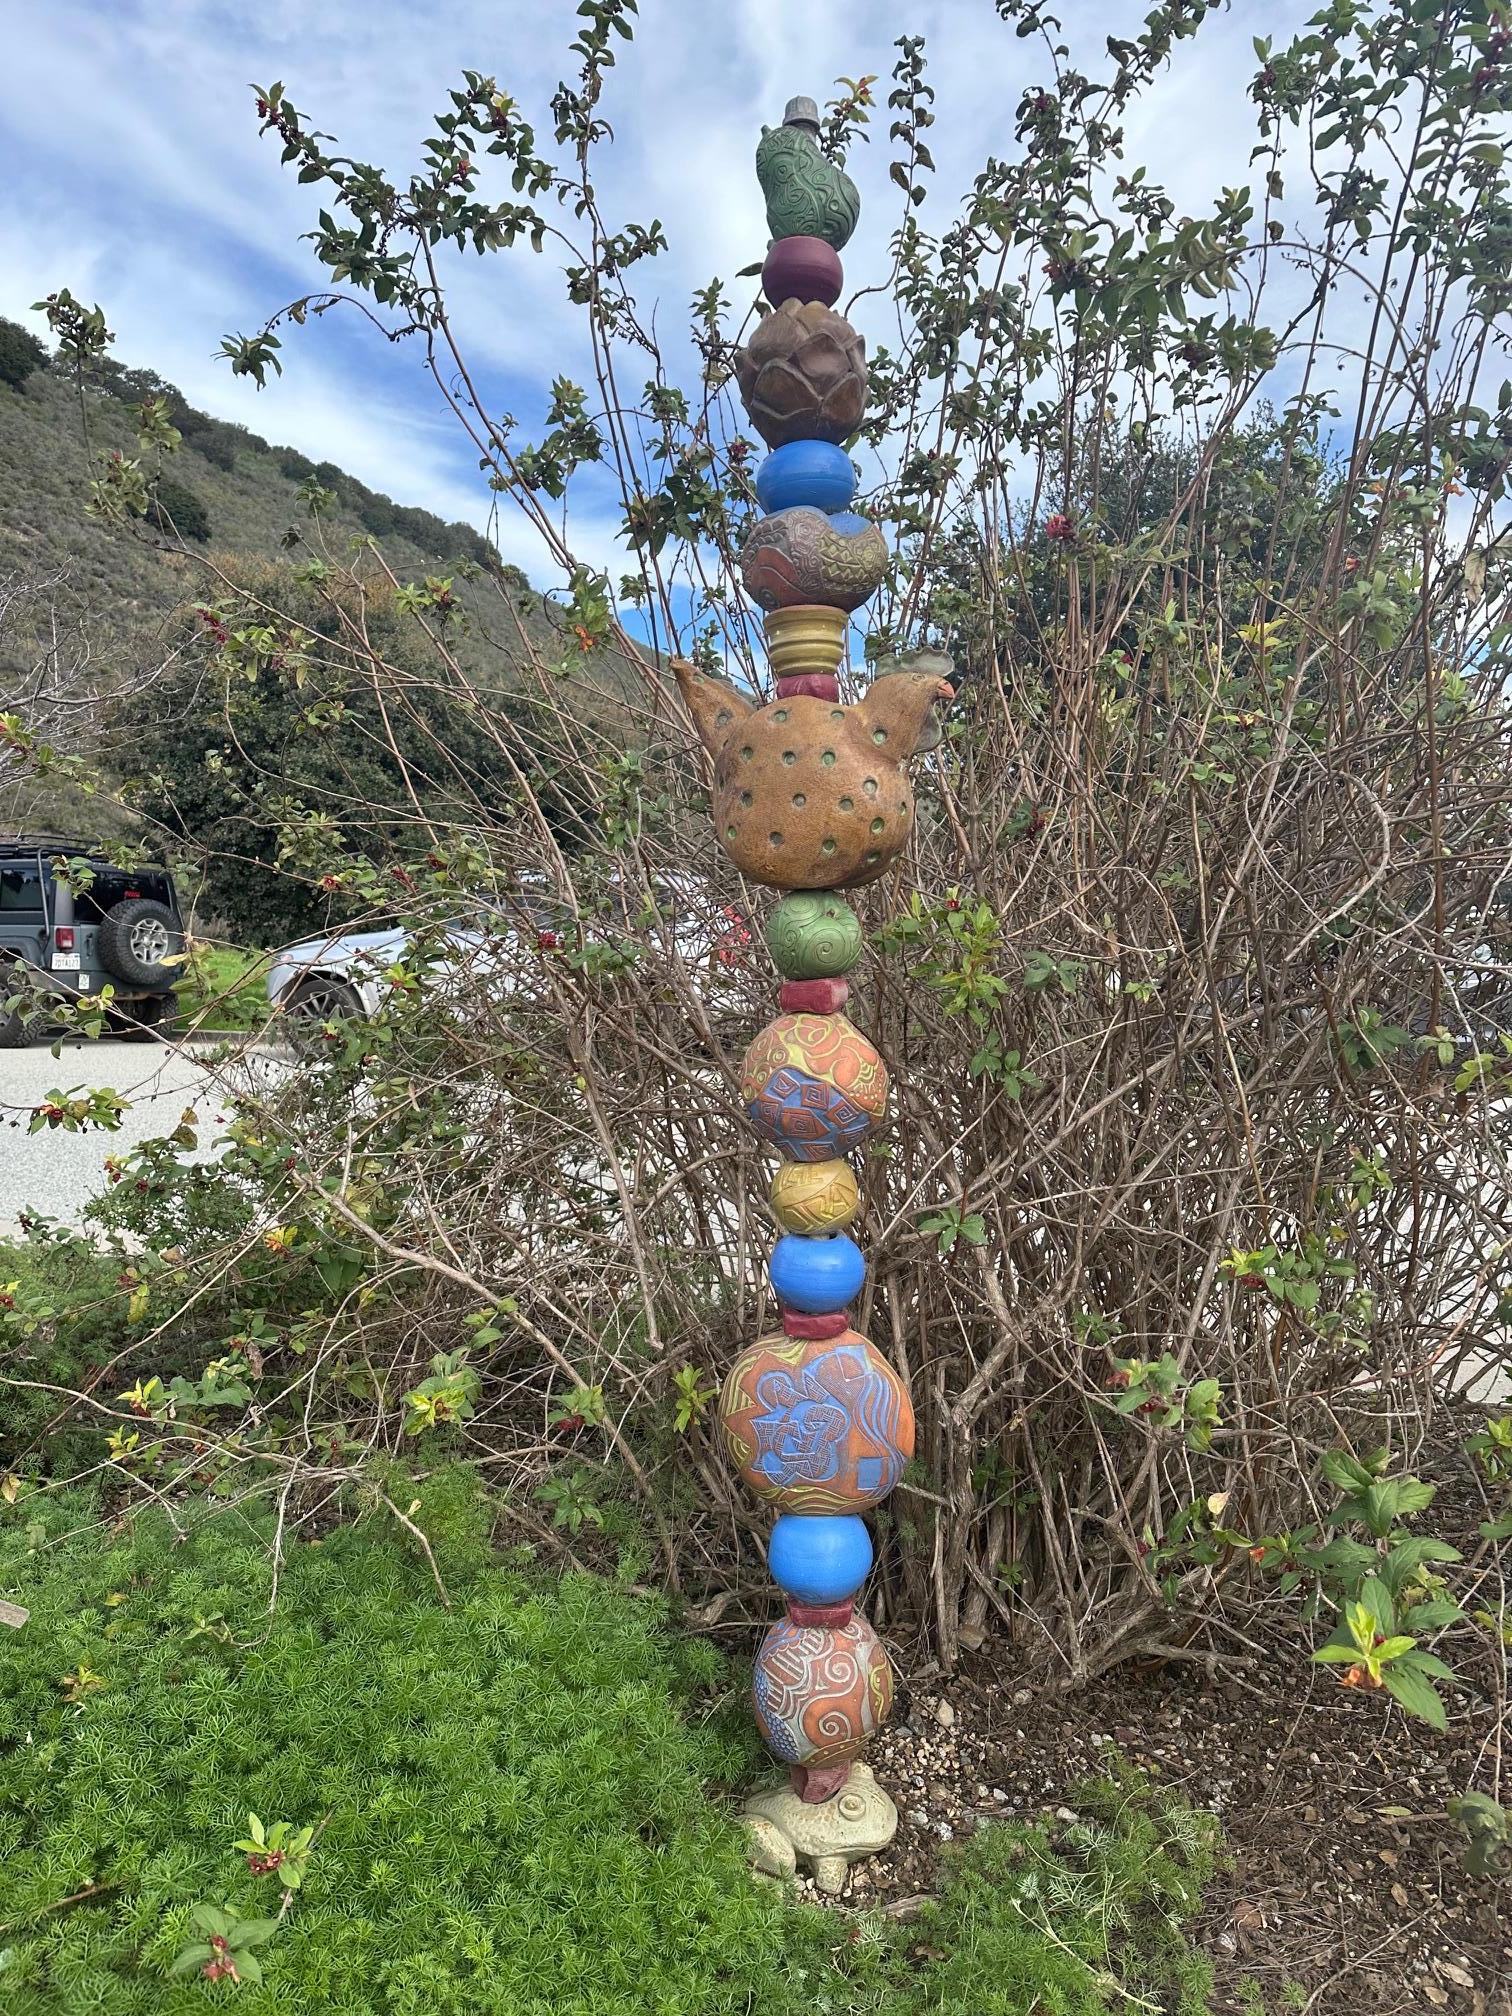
(805, 638)
(815, 1196)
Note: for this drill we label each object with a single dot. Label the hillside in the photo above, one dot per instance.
(90, 614)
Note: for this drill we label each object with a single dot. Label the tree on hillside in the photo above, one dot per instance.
(176, 509)
(20, 354)
(253, 728)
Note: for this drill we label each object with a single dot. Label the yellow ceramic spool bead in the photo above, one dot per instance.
(813, 1197)
(805, 638)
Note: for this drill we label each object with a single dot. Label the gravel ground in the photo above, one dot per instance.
(55, 1172)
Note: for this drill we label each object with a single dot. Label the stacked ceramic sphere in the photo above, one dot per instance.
(810, 797)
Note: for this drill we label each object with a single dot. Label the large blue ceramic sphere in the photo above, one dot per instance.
(806, 472)
(816, 1275)
(822, 1559)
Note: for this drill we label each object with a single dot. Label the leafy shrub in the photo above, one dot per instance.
(64, 1313)
(20, 354)
(176, 509)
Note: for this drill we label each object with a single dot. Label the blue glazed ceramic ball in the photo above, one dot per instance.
(822, 1559)
(806, 472)
(817, 1276)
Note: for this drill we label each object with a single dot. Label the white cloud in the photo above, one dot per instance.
(158, 198)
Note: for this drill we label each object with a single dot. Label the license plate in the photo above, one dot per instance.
(66, 962)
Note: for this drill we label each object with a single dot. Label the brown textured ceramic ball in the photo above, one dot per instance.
(803, 375)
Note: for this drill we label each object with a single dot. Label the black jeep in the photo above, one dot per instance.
(82, 924)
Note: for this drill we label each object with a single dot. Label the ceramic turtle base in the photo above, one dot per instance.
(860, 1820)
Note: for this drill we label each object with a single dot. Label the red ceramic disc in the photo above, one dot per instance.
(797, 1323)
(813, 997)
(809, 685)
(832, 1616)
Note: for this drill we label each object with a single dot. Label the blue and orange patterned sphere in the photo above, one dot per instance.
(817, 1425)
(819, 1692)
(813, 1086)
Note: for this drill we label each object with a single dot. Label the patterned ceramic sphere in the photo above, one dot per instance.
(802, 268)
(819, 1559)
(813, 1086)
(815, 1196)
(806, 556)
(812, 935)
(806, 472)
(818, 1274)
(819, 1693)
(817, 1427)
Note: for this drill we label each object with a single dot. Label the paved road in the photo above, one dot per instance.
(57, 1172)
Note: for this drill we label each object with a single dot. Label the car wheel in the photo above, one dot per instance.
(319, 998)
(150, 1016)
(13, 1030)
(140, 942)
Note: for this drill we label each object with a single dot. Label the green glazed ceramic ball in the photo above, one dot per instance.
(813, 935)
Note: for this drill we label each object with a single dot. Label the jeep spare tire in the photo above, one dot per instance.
(138, 940)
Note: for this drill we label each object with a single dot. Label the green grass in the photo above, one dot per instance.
(223, 987)
(521, 1803)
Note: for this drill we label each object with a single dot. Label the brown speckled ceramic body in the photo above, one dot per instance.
(809, 795)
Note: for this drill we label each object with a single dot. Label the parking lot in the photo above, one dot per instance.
(56, 1172)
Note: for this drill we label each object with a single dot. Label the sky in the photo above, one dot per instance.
(134, 175)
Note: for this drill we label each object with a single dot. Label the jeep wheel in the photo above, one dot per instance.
(138, 939)
(147, 1017)
(12, 1029)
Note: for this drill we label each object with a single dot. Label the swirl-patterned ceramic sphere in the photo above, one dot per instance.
(817, 1426)
(815, 1197)
(813, 935)
(820, 1693)
(813, 1086)
(803, 556)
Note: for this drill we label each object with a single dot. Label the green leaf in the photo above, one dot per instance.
(1333, 1654)
(1344, 1472)
(1416, 1694)
(1375, 1598)
(191, 1959)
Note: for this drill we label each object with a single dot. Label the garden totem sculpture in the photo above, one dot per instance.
(811, 797)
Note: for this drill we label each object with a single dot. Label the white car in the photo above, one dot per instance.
(343, 974)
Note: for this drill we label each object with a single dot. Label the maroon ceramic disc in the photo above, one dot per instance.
(805, 269)
(813, 997)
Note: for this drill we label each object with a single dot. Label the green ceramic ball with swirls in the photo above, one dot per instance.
(807, 195)
(813, 935)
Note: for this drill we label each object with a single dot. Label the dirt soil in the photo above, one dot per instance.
(1348, 1893)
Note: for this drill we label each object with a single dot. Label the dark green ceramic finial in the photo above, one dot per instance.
(807, 195)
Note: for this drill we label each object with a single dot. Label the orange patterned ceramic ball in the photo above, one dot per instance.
(817, 1425)
(813, 1086)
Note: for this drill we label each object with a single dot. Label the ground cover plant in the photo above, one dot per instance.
(361, 1801)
